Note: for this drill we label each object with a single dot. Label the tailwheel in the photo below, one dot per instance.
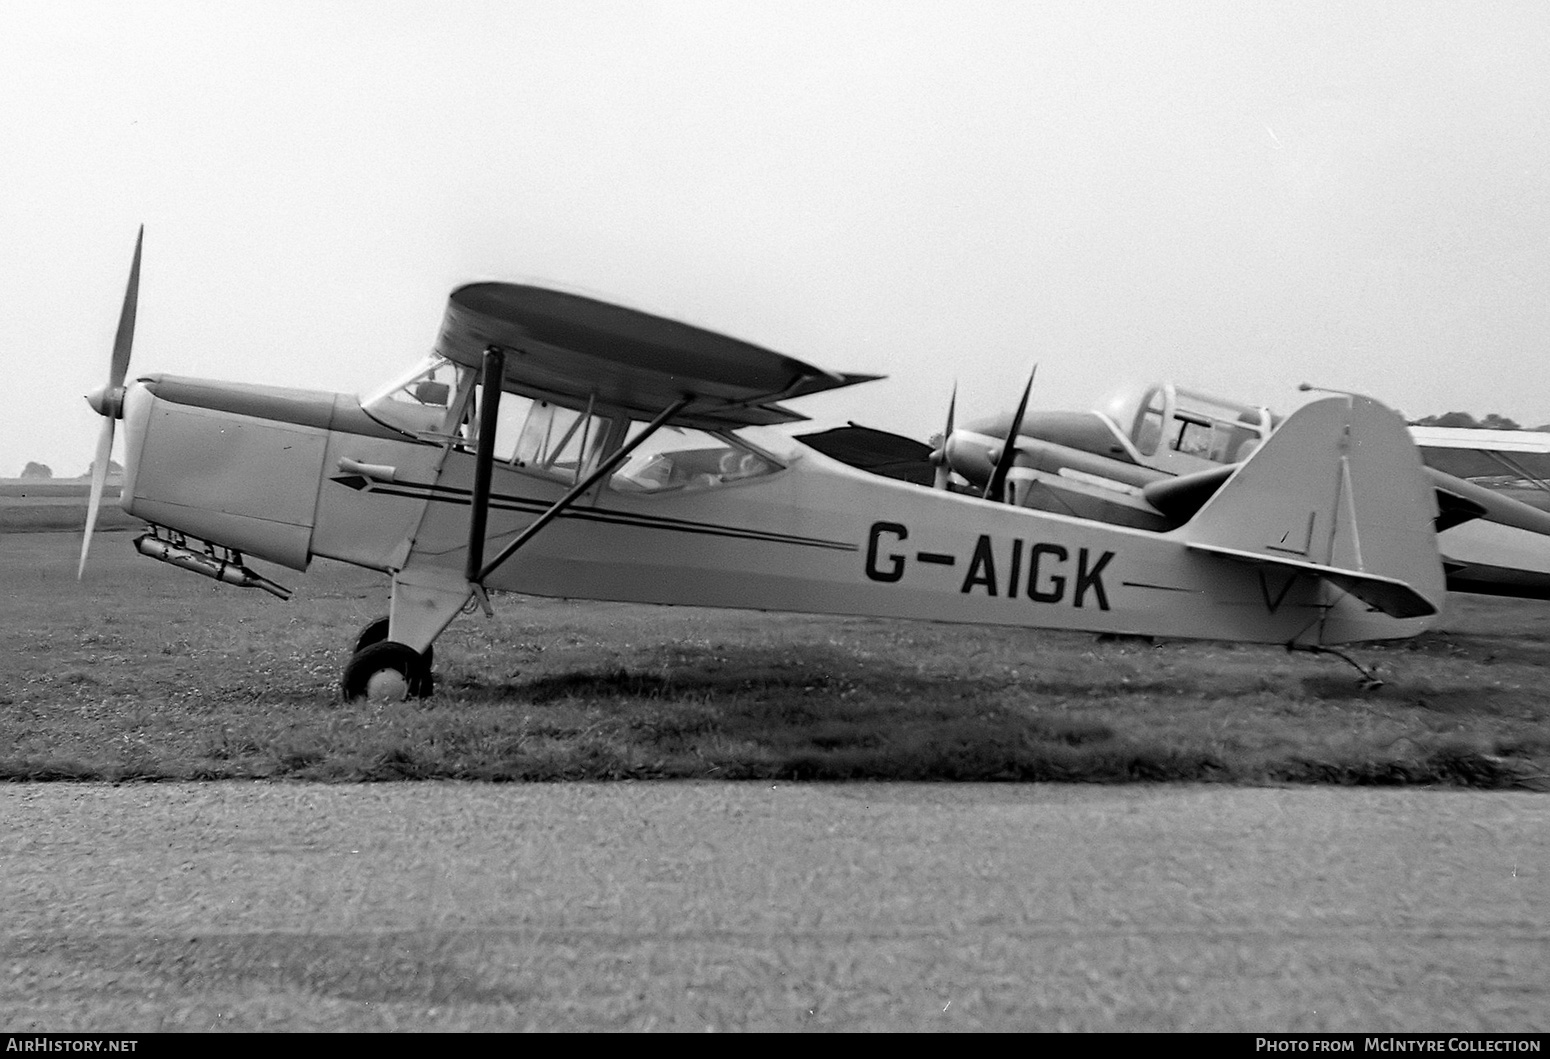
(387, 670)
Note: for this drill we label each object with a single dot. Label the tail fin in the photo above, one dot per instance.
(1338, 491)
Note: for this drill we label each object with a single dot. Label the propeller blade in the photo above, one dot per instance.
(99, 477)
(943, 471)
(997, 484)
(108, 401)
(126, 321)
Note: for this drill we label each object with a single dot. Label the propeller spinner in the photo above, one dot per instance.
(108, 401)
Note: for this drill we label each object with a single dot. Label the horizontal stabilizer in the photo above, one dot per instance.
(1393, 597)
(1465, 500)
(1338, 491)
(1180, 498)
(1454, 508)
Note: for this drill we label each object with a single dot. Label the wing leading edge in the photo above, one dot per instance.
(574, 349)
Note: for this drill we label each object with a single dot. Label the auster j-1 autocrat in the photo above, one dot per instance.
(556, 445)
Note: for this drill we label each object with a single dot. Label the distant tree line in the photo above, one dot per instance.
(34, 469)
(1469, 422)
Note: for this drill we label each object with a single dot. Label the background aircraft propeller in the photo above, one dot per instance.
(996, 487)
(939, 457)
(108, 401)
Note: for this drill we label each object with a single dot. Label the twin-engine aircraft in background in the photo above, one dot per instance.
(561, 446)
(1152, 457)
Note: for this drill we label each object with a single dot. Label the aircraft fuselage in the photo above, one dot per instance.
(288, 476)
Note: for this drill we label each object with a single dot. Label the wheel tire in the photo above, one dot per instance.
(372, 632)
(387, 670)
(376, 631)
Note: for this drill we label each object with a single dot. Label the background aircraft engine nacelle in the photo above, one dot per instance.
(232, 464)
(973, 457)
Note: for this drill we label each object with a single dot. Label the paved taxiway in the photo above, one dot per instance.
(771, 906)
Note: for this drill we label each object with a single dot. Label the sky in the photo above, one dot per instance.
(1238, 196)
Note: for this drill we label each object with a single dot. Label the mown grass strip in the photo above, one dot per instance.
(146, 673)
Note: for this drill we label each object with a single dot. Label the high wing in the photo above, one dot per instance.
(573, 349)
(578, 351)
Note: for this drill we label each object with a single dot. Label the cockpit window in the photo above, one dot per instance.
(1216, 430)
(424, 401)
(558, 441)
(1149, 422)
(538, 436)
(443, 400)
(684, 458)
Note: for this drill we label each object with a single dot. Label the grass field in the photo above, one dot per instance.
(33, 505)
(147, 672)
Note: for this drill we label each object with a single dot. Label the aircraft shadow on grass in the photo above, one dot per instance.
(829, 675)
(765, 689)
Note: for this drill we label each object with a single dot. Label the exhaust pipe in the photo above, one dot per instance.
(228, 570)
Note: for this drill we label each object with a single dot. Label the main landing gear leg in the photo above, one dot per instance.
(393, 655)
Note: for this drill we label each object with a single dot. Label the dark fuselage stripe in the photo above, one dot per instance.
(504, 502)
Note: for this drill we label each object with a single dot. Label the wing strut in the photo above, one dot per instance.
(484, 460)
(1515, 467)
(482, 497)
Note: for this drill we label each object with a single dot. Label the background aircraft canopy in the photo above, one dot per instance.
(572, 349)
(1169, 417)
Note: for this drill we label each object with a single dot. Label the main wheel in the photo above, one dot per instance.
(387, 670)
(376, 631)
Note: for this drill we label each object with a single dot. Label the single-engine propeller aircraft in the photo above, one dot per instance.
(557, 445)
(1150, 458)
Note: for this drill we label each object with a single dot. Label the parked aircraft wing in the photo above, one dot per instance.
(1506, 456)
(1181, 497)
(1338, 491)
(1481, 439)
(575, 349)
